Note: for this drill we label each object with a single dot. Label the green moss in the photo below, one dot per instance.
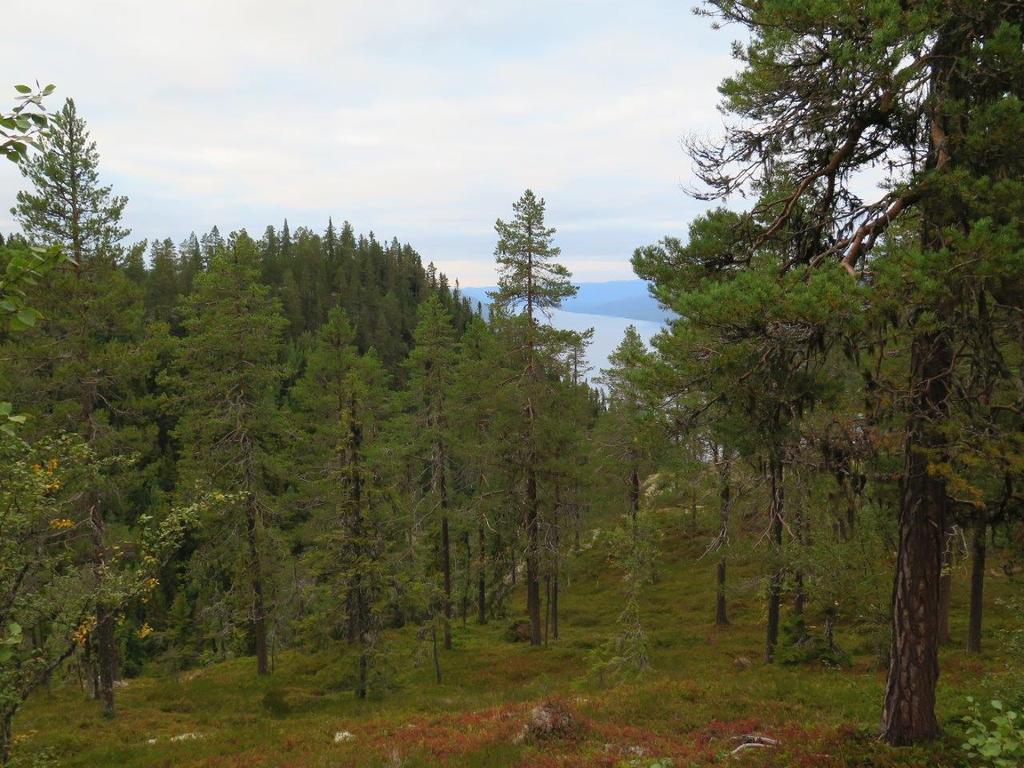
(705, 685)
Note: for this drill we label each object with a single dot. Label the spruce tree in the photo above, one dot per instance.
(431, 366)
(342, 402)
(224, 381)
(162, 287)
(480, 368)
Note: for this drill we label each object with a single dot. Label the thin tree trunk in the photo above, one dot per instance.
(554, 606)
(634, 495)
(977, 583)
(357, 590)
(467, 577)
(446, 554)
(556, 567)
(259, 621)
(775, 581)
(481, 586)
(437, 658)
(532, 555)
(851, 501)
(532, 501)
(352, 636)
(800, 599)
(364, 665)
(106, 645)
(725, 501)
(446, 567)
(909, 710)
(547, 607)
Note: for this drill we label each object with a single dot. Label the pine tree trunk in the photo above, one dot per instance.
(361, 626)
(556, 567)
(437, 657)
(446, 566)
(725, 500)
(352, 634)
(977, 583)
(364, 666)
(466, 578)
(909, 709)
(554, 605)
(259, 622)
(481, 586)
(775, 581)
(800, 599)
(851, 503)
(533, 555)
(547, 607)
(357, 591)
(440, 486)
(106, 645)
(634, 495)
(908, 714)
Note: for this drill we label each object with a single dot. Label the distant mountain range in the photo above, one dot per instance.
(615, 298)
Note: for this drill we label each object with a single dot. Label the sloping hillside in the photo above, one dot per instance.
(706, 690)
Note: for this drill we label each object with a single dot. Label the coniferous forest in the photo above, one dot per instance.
(290, 498)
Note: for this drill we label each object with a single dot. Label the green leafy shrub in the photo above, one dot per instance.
(996, 741)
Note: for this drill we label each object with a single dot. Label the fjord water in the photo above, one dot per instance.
(608, 333)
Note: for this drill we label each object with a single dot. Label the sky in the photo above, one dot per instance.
(417, 120)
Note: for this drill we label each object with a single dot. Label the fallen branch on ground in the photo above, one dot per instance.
(755, 740)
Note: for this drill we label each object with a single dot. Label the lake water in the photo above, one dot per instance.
(608, 333)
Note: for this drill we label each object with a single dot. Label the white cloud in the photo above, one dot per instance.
(423, 120)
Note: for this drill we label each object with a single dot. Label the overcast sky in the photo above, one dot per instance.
(420, 120)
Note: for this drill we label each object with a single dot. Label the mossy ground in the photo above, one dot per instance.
(691, 704)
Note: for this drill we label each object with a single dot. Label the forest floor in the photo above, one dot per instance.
(706, 688)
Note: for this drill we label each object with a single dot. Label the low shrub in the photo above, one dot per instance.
(995, 741)
(275, 703)
(797, 645)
